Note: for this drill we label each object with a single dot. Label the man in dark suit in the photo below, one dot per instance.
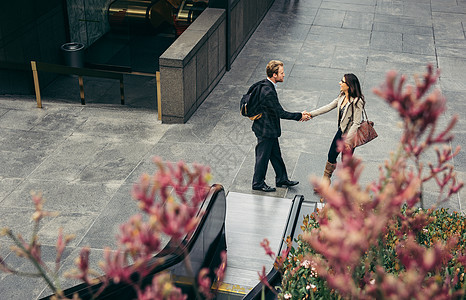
(267, 130)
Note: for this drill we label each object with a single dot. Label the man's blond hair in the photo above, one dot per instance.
(272, 67)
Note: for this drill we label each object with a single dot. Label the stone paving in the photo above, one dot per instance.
(85, 158)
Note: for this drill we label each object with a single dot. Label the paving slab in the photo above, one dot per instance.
(86, 158)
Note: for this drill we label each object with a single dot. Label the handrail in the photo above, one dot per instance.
(67, 70)
(61, 69)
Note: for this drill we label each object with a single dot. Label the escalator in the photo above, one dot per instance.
(145, 16)
(203, 247)
(298, 210)
(140, 31)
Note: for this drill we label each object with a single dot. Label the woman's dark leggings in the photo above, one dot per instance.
(333, 151)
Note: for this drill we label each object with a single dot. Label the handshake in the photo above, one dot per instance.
(306, 116)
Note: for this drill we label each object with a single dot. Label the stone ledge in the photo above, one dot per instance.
(187, 45)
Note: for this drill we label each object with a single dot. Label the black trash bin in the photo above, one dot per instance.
(73, 54)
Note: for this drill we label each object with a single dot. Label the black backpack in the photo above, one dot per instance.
(250, 105)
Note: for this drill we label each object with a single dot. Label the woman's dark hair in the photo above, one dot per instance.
(354, 87)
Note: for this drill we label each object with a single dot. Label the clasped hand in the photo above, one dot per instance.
(305, 116)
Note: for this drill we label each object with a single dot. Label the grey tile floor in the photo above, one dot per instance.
(85, 158)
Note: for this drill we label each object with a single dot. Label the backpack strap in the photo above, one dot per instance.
(252, 87)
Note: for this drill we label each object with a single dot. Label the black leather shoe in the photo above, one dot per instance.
(287, 183)
(264, 188)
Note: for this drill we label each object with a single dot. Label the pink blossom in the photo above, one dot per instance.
(171, 198)
(418, 114)
(220, 272)
(176, 214)
(263, 279)
(280, 260)
(30, 251)
(138, 237)
(205, 283)
(62, 242)
(162, 288)
(144, 193)
(82, 262)
(268, 251)
(116, 266)
(355, 218)
(39, 213)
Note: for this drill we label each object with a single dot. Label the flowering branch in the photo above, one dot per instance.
(32, 250)
(171, 198)
(360, 227)
(174, 214)
(278, 261)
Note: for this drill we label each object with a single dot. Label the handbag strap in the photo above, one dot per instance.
(363, 110)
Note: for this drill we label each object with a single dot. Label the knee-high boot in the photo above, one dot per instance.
(328, 171)
(329, 168)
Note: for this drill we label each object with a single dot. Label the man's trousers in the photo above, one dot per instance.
(268, 149)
